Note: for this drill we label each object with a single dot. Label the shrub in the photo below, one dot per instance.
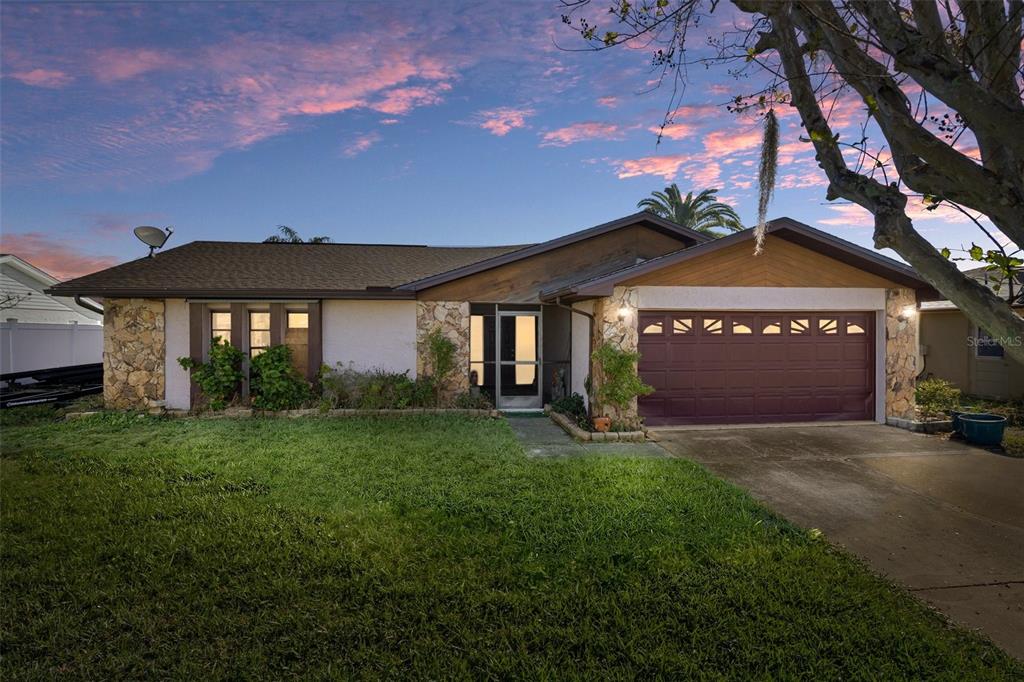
(275, 383)
(573, 407)
(349, 388)
(1013, 442)
(621, 383)
(473, 400)
(1013, 410)
(936, 397)
(29, 415)
(219, 378)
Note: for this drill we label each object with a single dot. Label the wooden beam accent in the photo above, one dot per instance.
(278, 321)
(315, 340)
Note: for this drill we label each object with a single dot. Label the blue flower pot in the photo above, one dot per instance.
(982, 429)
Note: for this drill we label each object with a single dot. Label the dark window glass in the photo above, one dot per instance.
(987, 347)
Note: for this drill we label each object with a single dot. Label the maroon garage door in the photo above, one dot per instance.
(735, 368)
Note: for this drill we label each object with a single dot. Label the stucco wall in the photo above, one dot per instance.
(581, 349)
(133, 353)
(370, 334)
(178, 387)
(945, 335)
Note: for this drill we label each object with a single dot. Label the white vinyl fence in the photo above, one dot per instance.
(28, 346)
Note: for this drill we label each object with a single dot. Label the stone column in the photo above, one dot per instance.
(615, 320)
(134, 349)
(901, 345)
(452, 318)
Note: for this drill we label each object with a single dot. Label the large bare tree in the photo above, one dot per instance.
(940, 85)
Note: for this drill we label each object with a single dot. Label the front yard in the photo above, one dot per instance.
(426, 547)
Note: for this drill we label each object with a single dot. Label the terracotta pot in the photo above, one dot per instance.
(602, 424)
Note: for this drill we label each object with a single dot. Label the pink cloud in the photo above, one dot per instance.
(53, 255)
(848, 215)
(580, 132)
(43, 78)
(667, 167)
(403, 100)
(388, 121)
(728, 141)
(117, 64)
(502, 120)
(673, 131)
(361, 143)
(610, 101)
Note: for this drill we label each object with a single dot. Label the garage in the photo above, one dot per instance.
(756, 367)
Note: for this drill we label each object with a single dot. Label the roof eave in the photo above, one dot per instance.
(269, 294)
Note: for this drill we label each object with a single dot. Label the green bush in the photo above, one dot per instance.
(936, 397)
(28, 415)
(1013, 410)
(473, 401)
(349, 388)
(1013, 442)
(621, 383)
(219, 378)
(573, 407)
(275, 384)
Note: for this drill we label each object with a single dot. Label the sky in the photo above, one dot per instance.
(438, 123)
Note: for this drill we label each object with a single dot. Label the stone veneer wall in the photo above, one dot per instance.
(622, 332)
(452, 318)
(133, 353)
(901, 344)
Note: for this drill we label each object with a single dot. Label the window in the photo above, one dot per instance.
(854, 328)
(799, 326)
(259, 332)
(740, 328)
(771, 328)
(713, 325)
(296, 337)
(653, 328)
(682, 325)
(220, 325)
(827, 325)
(985, 346)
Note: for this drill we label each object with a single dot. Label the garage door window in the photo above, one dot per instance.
(799, 326)
(682, 325)
(854, 328)
(741, 328)
(713, 325)
(653, 328)
(828, 325)
(771, 327)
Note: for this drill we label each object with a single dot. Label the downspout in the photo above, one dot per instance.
(88, 306)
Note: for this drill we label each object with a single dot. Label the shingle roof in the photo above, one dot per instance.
(209, 268)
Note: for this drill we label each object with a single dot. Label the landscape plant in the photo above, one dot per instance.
(620, 384)
(440, 360)
(936, 397)
(348, 388)
(220, 377)
(574, 407)
(275, 384)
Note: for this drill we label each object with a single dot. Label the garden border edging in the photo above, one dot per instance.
(610, 436)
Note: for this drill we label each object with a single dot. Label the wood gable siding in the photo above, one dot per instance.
(521, 281)
(782, 264)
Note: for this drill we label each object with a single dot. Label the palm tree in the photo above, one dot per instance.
(290, 236)
(703, 213)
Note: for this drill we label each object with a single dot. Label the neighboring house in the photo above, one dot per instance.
(815, 328)
(43, 331)
(956, 349)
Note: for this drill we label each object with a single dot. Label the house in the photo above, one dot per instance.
(43, 331)
(957, 350)
(815, 328)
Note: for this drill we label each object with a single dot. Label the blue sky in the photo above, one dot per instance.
(439, 123)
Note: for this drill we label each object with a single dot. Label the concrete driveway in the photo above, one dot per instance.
(944, 519)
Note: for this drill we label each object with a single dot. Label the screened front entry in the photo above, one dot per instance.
(505, 356)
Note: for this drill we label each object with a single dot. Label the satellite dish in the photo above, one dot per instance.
(153, 237)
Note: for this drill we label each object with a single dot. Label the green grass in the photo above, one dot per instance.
(420, 547)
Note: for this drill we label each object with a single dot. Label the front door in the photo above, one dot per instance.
(519, 361)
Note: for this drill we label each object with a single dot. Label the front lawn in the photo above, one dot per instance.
(425, 547)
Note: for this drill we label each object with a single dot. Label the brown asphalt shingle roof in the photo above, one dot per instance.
(208, 268)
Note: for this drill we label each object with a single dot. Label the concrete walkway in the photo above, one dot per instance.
(543, 438)
(942, 518)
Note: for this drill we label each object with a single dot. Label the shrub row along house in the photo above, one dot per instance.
(815, 328)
